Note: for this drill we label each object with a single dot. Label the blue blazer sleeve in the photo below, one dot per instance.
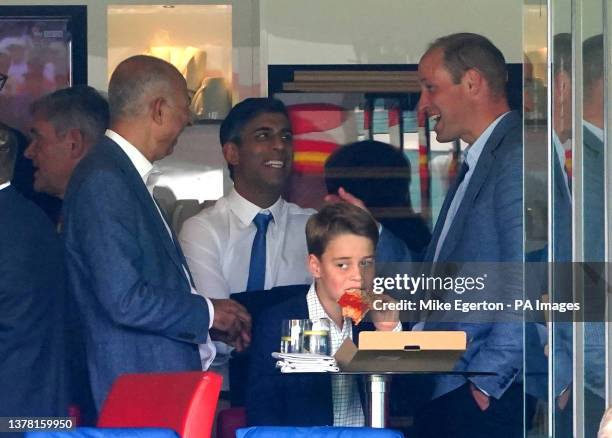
(110, 243)
(391, 248)
(502, 351)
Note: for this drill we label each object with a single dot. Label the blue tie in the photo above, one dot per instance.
(257, 266)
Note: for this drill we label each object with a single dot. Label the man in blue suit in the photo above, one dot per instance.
(463, 81)
(139, 308)
(594, 229)
(32, 297)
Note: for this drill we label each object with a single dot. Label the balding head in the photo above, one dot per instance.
(149, 104)
(135, 81)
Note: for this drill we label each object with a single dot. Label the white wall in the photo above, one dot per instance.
(380, 31)
(244, 16)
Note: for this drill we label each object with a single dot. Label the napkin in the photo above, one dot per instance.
(305, 363)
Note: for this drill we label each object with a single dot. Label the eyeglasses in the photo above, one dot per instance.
(3, 79)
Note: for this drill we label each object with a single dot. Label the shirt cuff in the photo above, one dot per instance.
(481, 390)
(208, 352)
(211, 312)
(418, 327)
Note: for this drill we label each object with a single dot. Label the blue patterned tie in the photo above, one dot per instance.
(257, 266)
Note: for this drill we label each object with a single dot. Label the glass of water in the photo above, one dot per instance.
(292, 335)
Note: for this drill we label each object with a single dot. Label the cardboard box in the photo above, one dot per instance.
(402, 351)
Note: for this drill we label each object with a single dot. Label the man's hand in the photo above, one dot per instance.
(344, 196)
(481, 399)
(232, 324)
(384, 320)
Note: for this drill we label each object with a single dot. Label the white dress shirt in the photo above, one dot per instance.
(560, 154)
(345, 393)
(217, 244)
(145, 169)
(348, 410)
(5, 185)
(472, 154)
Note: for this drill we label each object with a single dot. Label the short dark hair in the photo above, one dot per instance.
(592, 60)
(242, 113)
(79, 107)
(8, 154)
(337, 219)
(464, 51)
(562, 53)
(375, 172)
(245, 111)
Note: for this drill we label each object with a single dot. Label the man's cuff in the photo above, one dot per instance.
(211, 312)
(207, 351)
(480, 389)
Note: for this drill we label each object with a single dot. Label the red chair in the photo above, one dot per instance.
(185, 402)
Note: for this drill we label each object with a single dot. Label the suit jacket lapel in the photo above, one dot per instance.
(175, 242)
(477, 180)
(431, 249)
(140, 189)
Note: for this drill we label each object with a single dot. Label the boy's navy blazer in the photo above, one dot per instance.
(281, 399)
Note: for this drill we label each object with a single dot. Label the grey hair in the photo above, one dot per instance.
(79, 107)
(136, 79)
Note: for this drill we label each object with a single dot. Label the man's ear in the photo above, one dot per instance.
(473, 81)
(314, 266)
(78, 148)
(157, 110)
(231, 153)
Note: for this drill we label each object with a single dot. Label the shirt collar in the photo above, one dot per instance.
(598, 132)
(559, 149)
(246, 210)
(316, 310)
(140, 162)
(5, 185)
(472, 154)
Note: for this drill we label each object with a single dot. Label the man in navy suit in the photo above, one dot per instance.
(126, 269)
(65, 125)
(463, 81)
(32, 289)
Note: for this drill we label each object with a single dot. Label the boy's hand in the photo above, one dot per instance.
(384, 320)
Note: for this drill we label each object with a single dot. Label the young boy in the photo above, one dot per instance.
(341, 240)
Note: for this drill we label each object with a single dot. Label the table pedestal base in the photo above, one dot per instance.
(376, 393)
